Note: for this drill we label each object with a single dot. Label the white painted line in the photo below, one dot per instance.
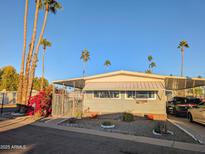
(49, 120)
(186, 131)
(62, 121)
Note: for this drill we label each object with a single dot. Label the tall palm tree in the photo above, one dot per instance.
(107, 64)
(21, 74)
(50, 6)
(183, 44)
(151, 64)
(30, 54)
(45, 43)
(85, 56)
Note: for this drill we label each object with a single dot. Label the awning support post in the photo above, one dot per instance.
(73, 111)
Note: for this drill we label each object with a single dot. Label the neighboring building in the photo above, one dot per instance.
(124, 91)
(10, 97)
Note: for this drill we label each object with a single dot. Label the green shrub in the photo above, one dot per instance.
(128, 117)
(72, 120)
(107, 123)
(157, 128)
(160, 127)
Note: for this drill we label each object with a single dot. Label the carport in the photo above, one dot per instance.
(171, 82)
(74, 88)
(180, 83)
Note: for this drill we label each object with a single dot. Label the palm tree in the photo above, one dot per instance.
(30, 54)
(183, 44)
(85, 56)
(21, 74)
(151, 64)
(50, 6)
(107, 64)
(45, 43)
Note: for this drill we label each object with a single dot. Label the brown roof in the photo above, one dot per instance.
(140, 85)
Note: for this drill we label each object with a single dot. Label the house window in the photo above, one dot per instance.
(106, 94)
(141, 95)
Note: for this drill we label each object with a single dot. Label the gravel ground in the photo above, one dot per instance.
(139, 127)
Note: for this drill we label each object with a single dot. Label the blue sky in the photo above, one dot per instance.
(123, 31)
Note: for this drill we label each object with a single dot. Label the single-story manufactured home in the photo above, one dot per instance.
(125, 91)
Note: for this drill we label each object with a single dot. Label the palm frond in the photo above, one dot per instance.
(182, 44)
(54, 6)
(51, 5)
(107, 63)
(153, 64)
(45, 43)
(150, 58)
(85, 55)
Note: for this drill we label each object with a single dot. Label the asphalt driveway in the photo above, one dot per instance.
(36, 139)
(198, 130)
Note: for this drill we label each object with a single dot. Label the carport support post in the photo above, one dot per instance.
(193, 88)
(73, 111)
(185, 88)
(63, 100)
(53, 100)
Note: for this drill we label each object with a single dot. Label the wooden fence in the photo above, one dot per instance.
(70, 104)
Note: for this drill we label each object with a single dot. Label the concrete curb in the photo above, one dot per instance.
(139, 139)
(61, 121)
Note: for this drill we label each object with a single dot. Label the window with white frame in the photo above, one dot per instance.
(106, 94)
(141, 95)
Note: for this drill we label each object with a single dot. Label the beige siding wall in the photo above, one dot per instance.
(103, 105)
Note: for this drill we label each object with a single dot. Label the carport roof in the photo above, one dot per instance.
(179, 83)
(171, 82)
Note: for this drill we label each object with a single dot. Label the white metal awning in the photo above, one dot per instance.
(75, 82)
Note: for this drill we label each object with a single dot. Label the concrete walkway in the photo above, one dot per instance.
(139, 139)
(10, 124)
(195, 129)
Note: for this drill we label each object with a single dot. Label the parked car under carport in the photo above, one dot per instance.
(197, 113)
(179, 106)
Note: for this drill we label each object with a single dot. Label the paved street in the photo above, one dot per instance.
(46, 140)
(194, 128)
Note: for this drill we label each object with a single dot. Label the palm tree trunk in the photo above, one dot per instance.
(182, 64)
(35, 58)
(21, 75)
(42, 78)
(182, 69)
(30, 54)
(83, 69)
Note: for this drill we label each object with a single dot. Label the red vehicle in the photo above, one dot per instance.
(180, 105)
